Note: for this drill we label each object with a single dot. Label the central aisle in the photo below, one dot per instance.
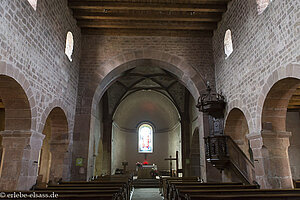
(146, 194)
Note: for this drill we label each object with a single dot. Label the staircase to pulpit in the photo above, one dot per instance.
(221, 150)
(224, 154)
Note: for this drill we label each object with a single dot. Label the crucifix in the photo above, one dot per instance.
(171, 159)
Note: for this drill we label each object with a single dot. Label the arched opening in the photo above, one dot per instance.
(15, 126)
(276, 124)
(143, 93)
(236, 127)
(53, 152)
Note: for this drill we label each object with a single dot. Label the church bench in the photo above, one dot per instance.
(163, 181)
(170, 183)
(108, 182)
(176, 189)
(244, 197)
(230, 193)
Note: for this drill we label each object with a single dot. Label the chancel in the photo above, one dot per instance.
(150, 99)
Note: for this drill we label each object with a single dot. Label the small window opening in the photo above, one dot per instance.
(33, 3)
(69, 45)
(228, 44)
(262, 5)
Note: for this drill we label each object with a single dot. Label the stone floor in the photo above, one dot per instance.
(146, 194)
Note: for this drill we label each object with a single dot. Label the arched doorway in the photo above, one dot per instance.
(275, 135)
(52, 164)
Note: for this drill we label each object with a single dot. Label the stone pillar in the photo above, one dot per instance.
(19, 165)
(270, 152)
(59, 153)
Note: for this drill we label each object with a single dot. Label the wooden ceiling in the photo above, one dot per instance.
(148, 17)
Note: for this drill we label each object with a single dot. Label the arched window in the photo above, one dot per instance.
(228, 44)
(69, 45)
(33, 3)
(145, 133)
(262, 5)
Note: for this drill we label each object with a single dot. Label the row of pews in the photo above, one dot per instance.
(115, 187)
(192, 188)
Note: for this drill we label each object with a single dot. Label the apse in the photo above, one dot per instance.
(153, 115)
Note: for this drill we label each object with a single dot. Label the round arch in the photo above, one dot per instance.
(17, 78)
(290, 71)
(236, 126)
(53, 165)
(113, 68)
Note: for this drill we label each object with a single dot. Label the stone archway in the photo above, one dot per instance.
(274, 136)
(236, 127)
(19, 141)
(53, 155)
(105, 75)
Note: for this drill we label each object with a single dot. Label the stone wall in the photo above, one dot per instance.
(262, 44)
(265, 50)
(32, 47)
(105, 57)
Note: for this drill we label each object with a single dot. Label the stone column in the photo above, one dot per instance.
(270, 152)
(19, 163)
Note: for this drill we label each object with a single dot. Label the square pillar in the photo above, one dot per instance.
(19, 162)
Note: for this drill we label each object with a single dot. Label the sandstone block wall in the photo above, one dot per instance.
(262, 45)
(32, 47)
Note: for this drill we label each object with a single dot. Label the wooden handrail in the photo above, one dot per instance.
(224, 153)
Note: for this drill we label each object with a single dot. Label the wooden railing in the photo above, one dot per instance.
(224, 153)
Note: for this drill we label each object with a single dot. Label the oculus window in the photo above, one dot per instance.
(145, 137)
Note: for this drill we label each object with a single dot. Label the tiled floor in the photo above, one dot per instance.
(146, 194)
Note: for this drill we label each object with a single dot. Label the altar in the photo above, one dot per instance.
(145, 171)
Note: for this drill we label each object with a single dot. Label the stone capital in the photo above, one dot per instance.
(16, 133)
(272, 134)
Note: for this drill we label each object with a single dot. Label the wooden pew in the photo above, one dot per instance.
(253, 194)
(171, 183)
(182, 188)
(109, 187)
(163, 182)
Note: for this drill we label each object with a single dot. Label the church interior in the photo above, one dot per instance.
(150, 99)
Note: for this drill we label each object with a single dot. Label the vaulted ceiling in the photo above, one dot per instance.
(148, 17)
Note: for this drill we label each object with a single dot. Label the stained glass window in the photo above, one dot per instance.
(145, 138)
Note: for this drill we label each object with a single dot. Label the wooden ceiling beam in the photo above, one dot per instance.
(158, 17)
(148, 6)
(146, 32)
(152, 25)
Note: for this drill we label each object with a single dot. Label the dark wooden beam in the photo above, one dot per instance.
(206, 17)
(151, 25)
(100, 5)
(146, 32)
